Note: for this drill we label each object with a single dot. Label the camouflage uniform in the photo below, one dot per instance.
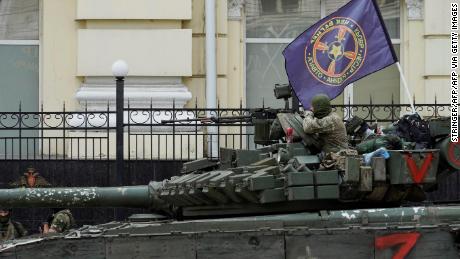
(330, 129)
(11, 230)
(62, 221)
(337, 160)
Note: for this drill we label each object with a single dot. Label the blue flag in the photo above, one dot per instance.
(345, 46)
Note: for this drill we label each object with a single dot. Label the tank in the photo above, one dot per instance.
(273, 202)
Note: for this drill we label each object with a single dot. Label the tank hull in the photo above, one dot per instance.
(411, 232)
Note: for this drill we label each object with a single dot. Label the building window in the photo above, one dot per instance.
(272, 24)
(269, 7)
(290, 5)
(280, 18)
(19, 32)
(19, 59)
(19, 19)
(19, 54)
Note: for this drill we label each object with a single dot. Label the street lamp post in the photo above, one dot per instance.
(120, 71)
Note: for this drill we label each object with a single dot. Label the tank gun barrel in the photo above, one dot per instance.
(123, 196)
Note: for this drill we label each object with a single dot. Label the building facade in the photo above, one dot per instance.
(55, 51)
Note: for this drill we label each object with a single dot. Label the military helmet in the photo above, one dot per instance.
(321, 105)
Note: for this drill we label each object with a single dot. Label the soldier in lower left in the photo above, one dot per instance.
(10, 229)
(60, 221)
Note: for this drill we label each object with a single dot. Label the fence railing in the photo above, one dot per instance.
(90, 135)
(391, 112)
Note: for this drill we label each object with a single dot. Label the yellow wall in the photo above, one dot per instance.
(80, 38)
(134, 9)
(437, 51)
(58, 43)
(236, 64)
(412, 44)
(159, 52)
(426, 55)
(197, 82)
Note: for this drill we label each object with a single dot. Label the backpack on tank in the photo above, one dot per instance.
(413, 128)
(355, 126)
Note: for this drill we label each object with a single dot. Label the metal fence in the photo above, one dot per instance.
(90, 135)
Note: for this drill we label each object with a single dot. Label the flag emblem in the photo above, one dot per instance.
(336, 51)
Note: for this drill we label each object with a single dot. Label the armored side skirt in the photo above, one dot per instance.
(379, 233)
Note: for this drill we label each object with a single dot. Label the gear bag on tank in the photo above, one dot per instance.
(414, 129)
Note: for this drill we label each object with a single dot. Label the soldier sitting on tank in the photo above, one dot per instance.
(326, 124)
(9, 229)
(60, 221)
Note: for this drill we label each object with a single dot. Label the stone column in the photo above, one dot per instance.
(412, 44)
(236, 49)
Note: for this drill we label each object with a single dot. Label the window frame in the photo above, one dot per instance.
(20, 42)
(37, 43)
